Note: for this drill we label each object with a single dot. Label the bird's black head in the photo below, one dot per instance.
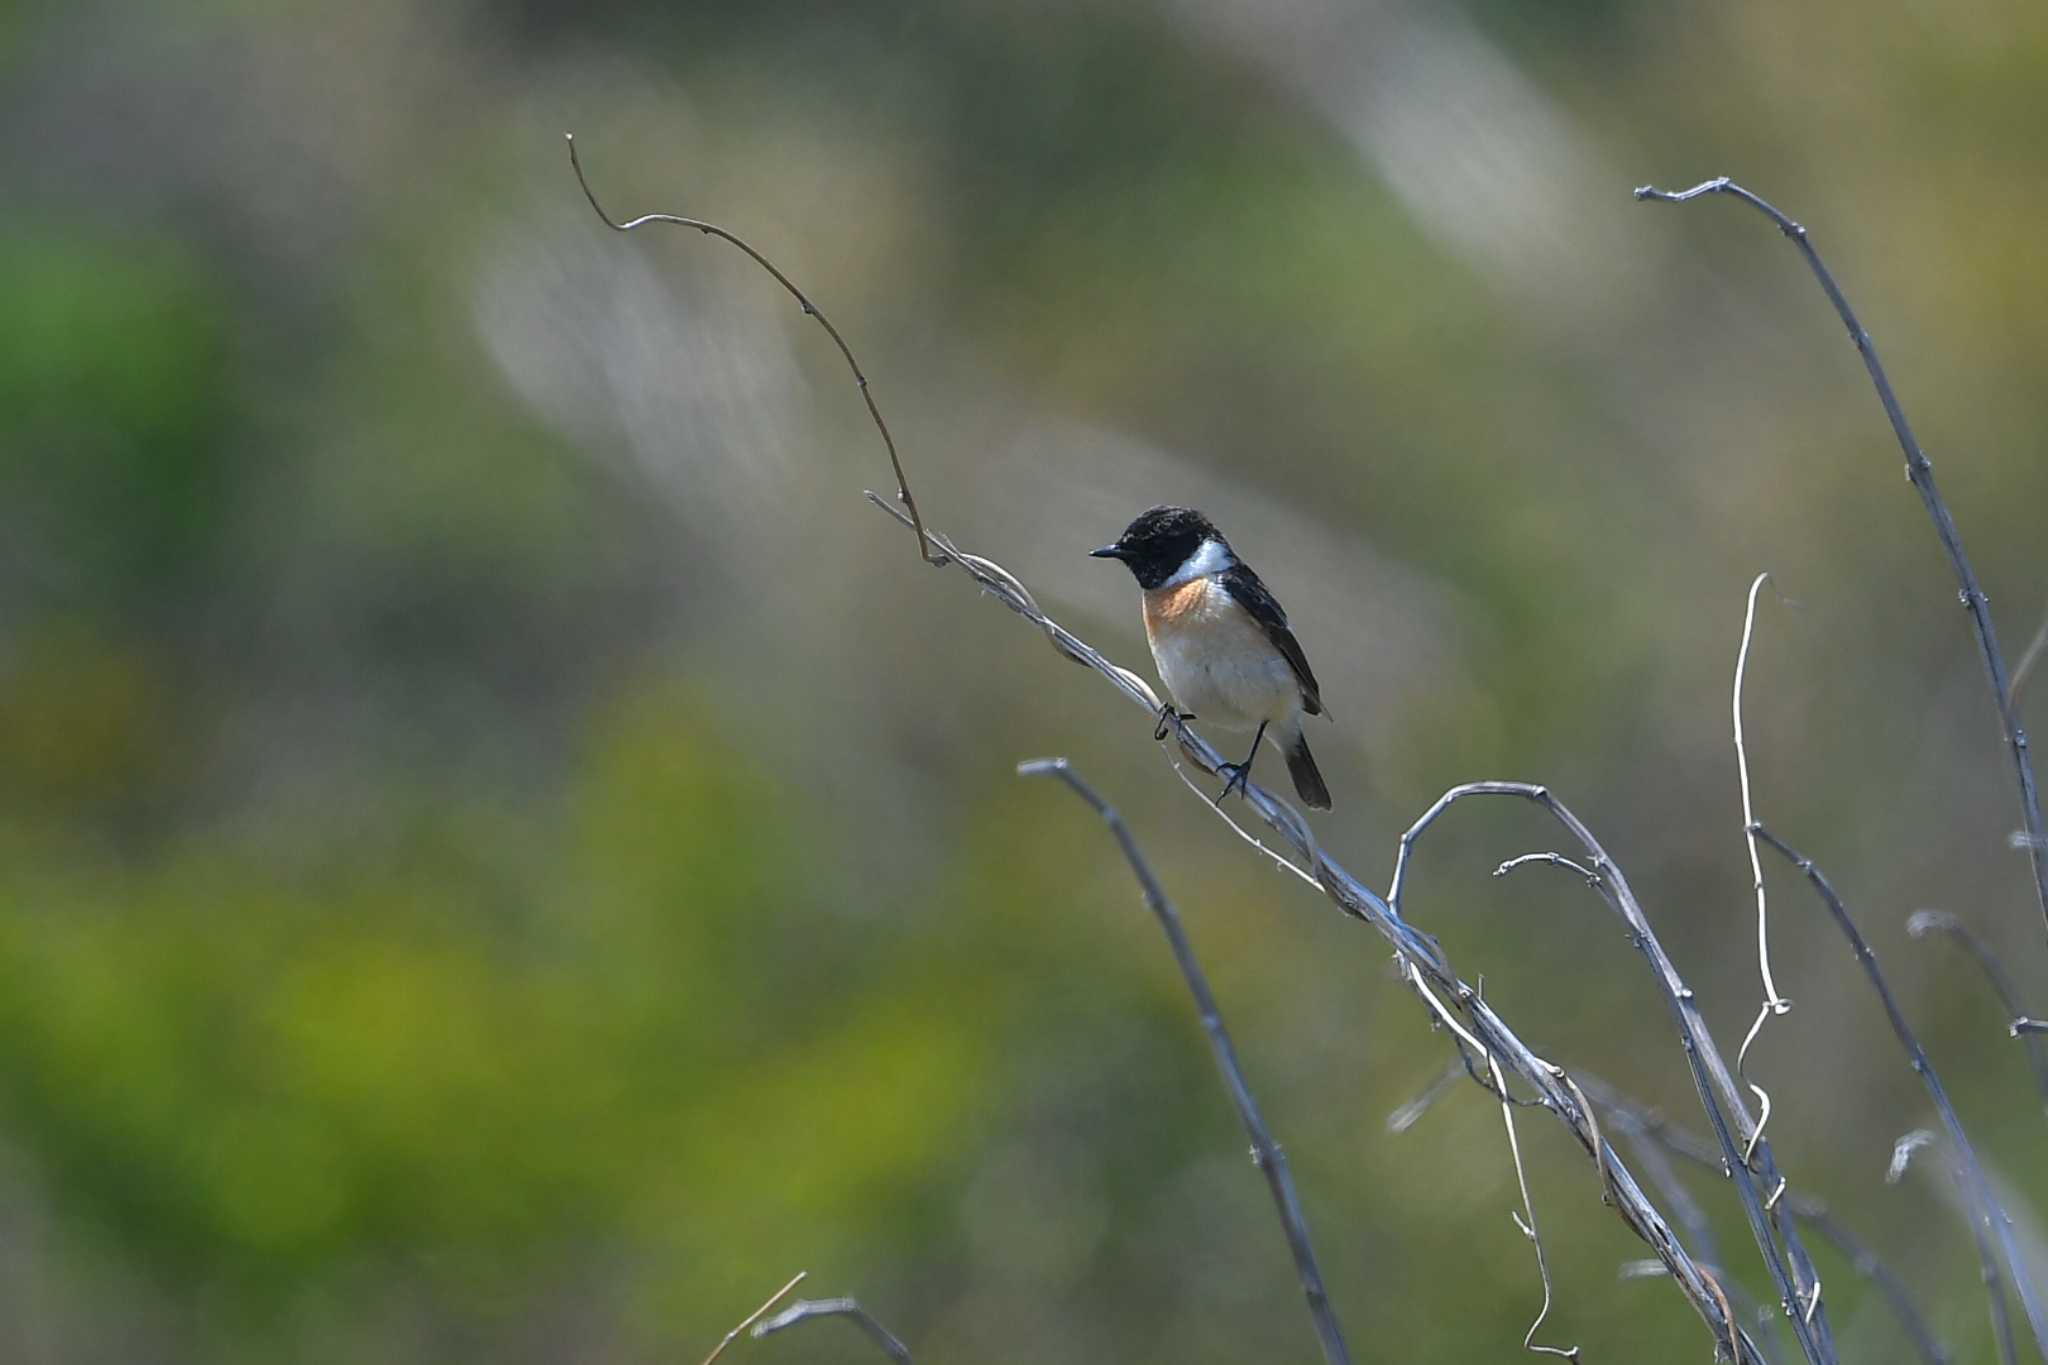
(1162, 541)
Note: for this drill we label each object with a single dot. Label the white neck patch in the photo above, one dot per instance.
(1211, 556)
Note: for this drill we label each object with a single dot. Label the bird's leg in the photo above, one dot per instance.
(1167, 716)
(1237, 774)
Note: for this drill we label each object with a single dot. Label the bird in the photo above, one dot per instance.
(1221, 642)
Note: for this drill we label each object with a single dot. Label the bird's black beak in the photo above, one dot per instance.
(1106, 552)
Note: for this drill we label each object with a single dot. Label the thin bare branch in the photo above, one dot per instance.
(1549, 859)
(1987, 1266)
(1983, 1204)
(1921, 472)
(755, 1316)
(1653, 1131)
(1280, 860)
(1266, 1153)
(1651, 1157)
(803, 1310)
(1526, 1221)
(1774, 1003)
(803, 300)
(1763, 1098)
(1924, 922)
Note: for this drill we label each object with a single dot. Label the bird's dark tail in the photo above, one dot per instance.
(1301, 765)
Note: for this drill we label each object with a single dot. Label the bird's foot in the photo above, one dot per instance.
(1235, 775)
(1167, 717)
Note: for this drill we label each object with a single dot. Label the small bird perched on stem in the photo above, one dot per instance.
(1221, 641)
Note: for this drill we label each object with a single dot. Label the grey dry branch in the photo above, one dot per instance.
(1924, 922)
(1652, 1158)
(1266, 1153)
(1977, 1193)
(1987, 1264)
(803, 301)
(1921, 471)
(1653, 1131)
(1656, 1164)
(803, 1310)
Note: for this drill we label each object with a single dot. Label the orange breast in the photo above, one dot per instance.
(1167, 608)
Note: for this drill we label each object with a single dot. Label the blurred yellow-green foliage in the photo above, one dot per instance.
(504, 856)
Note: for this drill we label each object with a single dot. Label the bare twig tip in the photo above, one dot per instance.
(777, 1297)
(1921, 923)
(1902, 1153)
(925, 540)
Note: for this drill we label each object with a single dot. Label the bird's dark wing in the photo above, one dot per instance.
(1244, 586)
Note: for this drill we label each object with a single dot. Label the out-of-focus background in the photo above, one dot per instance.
(504, 855)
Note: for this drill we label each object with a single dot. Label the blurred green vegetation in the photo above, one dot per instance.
(502, 855)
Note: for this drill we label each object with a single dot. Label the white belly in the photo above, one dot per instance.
(1219, 665)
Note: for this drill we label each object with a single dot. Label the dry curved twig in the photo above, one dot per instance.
(803, 300)
(1266, 1153)
(1773, 1002)
(1921, 471)
(1526, 1220)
